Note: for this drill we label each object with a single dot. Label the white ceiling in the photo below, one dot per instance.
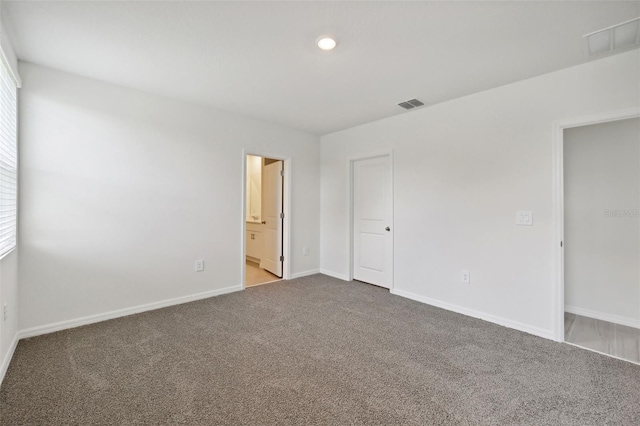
(259, 59)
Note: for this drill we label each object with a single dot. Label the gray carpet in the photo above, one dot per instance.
(312, 351)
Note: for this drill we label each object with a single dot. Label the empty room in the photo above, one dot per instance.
(320, 212)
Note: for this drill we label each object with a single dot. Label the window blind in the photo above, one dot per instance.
(8, 159)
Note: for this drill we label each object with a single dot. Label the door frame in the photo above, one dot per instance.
(286, 225)
(350, 193)
(558, 203)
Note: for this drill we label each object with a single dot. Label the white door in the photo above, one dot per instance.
(372, 217)
(272, 216)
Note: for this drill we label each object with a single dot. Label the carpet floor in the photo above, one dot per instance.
(311, 351)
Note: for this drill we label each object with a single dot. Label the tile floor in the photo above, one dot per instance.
(602, 336)
(254, 275)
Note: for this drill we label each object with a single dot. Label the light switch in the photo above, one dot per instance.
(199, 265)
(524, 217)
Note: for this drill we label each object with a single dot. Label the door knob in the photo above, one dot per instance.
(387, 229)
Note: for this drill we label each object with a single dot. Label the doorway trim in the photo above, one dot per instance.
(286, 225)
(350, 162)
(558, 203)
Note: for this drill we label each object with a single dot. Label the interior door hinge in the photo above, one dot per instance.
(281, 172)
(281, 215)
(281, 258)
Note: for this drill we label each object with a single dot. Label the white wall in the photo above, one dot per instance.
(602, 227)
(7, 47)
(461, 171)
(122, 191)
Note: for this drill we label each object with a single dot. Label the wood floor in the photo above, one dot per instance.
(254, 275)
(602, 336)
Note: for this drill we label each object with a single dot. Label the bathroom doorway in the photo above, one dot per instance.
(601, 187)
(264, 220)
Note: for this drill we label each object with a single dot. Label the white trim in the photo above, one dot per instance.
(558, 231)
(304, 274)
(329, 273)
(350, 160)
(603, 316)
(604, 117)
(7, 358)
(286, 237)
(557, 278)
(536, 331)
(64, 325)
(601, 353)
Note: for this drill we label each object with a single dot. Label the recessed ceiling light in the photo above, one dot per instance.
(326, 43)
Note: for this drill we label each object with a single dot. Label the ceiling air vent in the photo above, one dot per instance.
(620, 36)
(413, 103)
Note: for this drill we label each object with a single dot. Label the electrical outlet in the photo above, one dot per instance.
(465, 277)
(5, 313)
(305, 251)
(199, 265)
(524, 217)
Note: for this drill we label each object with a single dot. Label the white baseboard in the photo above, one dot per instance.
(536, 331)
(7, 358)
(334, 274)
(304, 273)
(63, 325)
(616, 319)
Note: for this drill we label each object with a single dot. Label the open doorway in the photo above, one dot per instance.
(601, 237)
(264, 220)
